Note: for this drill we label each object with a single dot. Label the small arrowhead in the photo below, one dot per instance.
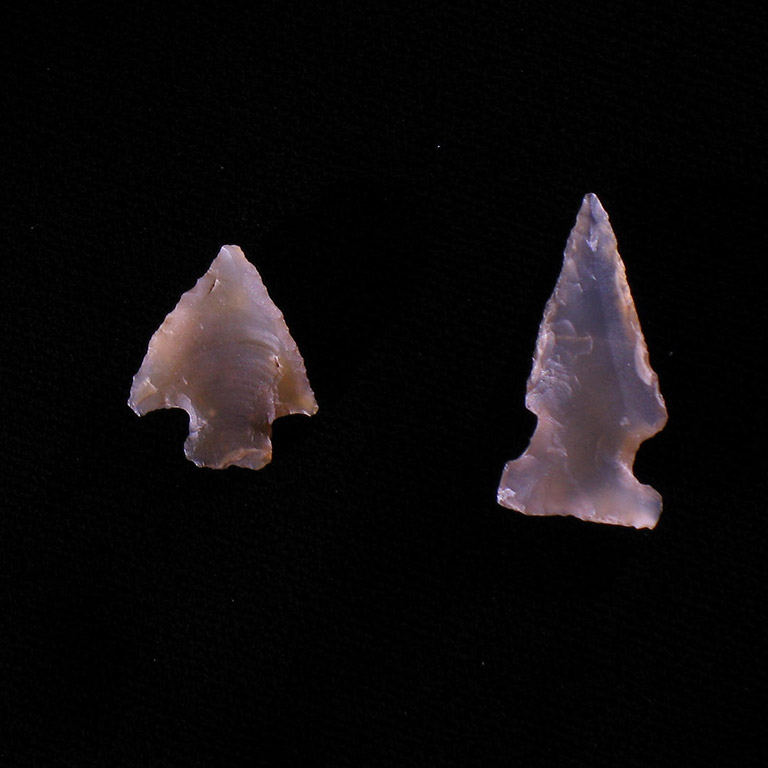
(226, 357)
(592, 389)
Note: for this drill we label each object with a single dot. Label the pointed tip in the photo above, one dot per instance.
(591, 206)
(229, 257)
(592, 225)
(230, 251)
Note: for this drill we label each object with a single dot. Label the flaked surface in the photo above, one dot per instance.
(593, 391)
(226, 357)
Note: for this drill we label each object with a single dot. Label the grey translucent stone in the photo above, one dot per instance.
(226, 357)
(593, 391)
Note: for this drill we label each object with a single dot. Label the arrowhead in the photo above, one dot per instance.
(226, 357)
(592, 389)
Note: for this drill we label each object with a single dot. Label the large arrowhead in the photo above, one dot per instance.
(226, 357)
(593, 391)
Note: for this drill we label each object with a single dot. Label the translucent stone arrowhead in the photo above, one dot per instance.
(226, 357)
(593, 391)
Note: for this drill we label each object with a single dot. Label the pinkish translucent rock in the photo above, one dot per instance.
(593, 391)
(226, 357)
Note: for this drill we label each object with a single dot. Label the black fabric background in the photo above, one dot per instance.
(404, 177)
